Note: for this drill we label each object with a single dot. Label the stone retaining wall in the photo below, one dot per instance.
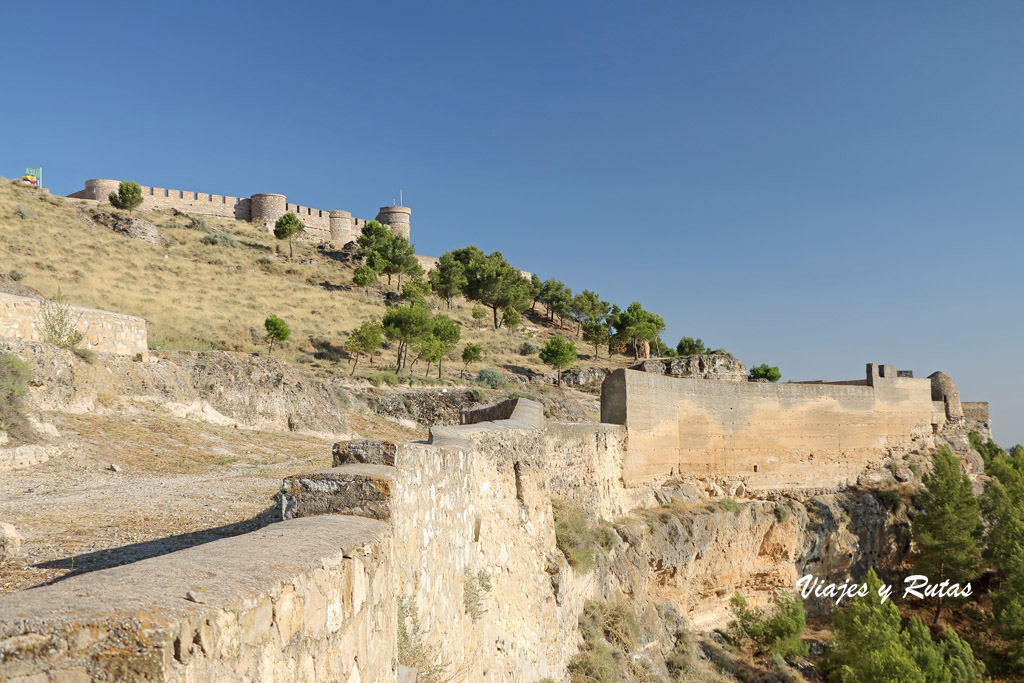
(20, 318)
(303, 600)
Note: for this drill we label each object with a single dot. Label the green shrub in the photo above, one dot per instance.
(476, 395)
(16, 275)
(59, 323)
(781, 513)
(473, 593)
(729, 505)
(413, 650)
(14, 376)
(479, 312)
(577, 538)
(765, 371)
(491, 378)
(88, 355)
(609, 634)
(221, 239)
(777, 634)
(198, 223)
(378, 378)
(528, 349)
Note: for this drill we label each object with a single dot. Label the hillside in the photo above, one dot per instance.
(201, 297)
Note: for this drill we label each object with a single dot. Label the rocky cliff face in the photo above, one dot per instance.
(678, 565)
(709, 366)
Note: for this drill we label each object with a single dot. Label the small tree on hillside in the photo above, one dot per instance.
(765, 371)
(277, 331)
(471, 354)
(448, 278)
(946, 533)
(406, 325)
(128, 196)
(286, 227)
(559, 354)
(597, 333)
(635, 325)
(365, 340)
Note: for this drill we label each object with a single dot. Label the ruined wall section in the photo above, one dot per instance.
(103, 331)
(303, 600)
(765, 435)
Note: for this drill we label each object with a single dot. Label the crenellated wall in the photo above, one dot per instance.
(322, 225)
(103, 331)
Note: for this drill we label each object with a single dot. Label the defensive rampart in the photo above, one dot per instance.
(103, 331)
(333, 225)
(766, 435)
(459, 531)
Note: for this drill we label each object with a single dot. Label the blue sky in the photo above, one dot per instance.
(813, 185)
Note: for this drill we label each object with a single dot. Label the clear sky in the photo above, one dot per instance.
(815, 185)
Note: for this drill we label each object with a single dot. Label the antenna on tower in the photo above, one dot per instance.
(400, 201)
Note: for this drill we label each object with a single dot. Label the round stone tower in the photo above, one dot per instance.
(397, 217)
(343, 227)
(267, 208)
(100, 188)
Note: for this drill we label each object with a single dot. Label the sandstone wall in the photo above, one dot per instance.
(103, 331)
(766, 435)
(303, 600)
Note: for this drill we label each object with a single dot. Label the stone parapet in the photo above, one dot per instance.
(103, 331)
(304, 600)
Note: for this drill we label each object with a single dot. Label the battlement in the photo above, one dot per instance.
(334, 225)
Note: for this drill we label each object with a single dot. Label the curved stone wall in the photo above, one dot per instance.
(267, 208)
(398, 218)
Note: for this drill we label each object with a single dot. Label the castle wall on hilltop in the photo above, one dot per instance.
(102, 331)
(766, 435)
(322, 225)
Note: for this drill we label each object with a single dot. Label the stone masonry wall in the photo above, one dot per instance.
(303, 600)
(103, 331)
(766, 435)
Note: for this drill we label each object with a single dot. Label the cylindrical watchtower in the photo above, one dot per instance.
(343, 227)
(100, 188)
(398, 217)
(267, 208)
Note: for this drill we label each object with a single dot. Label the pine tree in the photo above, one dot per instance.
(277, 331)
(559, 354)
(365, 340)
(946, 533)
(471, 354)
(286, 227)
(127, 197)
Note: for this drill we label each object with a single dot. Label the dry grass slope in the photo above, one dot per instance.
(198, 296)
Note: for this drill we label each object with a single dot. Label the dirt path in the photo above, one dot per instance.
(181, 482)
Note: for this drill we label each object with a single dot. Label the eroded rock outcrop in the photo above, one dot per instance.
(136, 228)
(707, 366)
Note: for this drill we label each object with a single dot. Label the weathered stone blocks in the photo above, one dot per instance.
(364, 451)
(362, 490)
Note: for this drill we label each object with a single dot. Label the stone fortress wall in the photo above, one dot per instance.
(459, 530)
(317, 597)
(783, 435)
(334, 225)
(103, 331)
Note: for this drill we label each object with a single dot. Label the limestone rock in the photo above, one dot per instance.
(136, 228)
(10, 542)
(584, 376)
(707, 366)
(369, 451)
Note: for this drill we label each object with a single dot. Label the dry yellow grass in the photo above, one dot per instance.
(196, 296)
